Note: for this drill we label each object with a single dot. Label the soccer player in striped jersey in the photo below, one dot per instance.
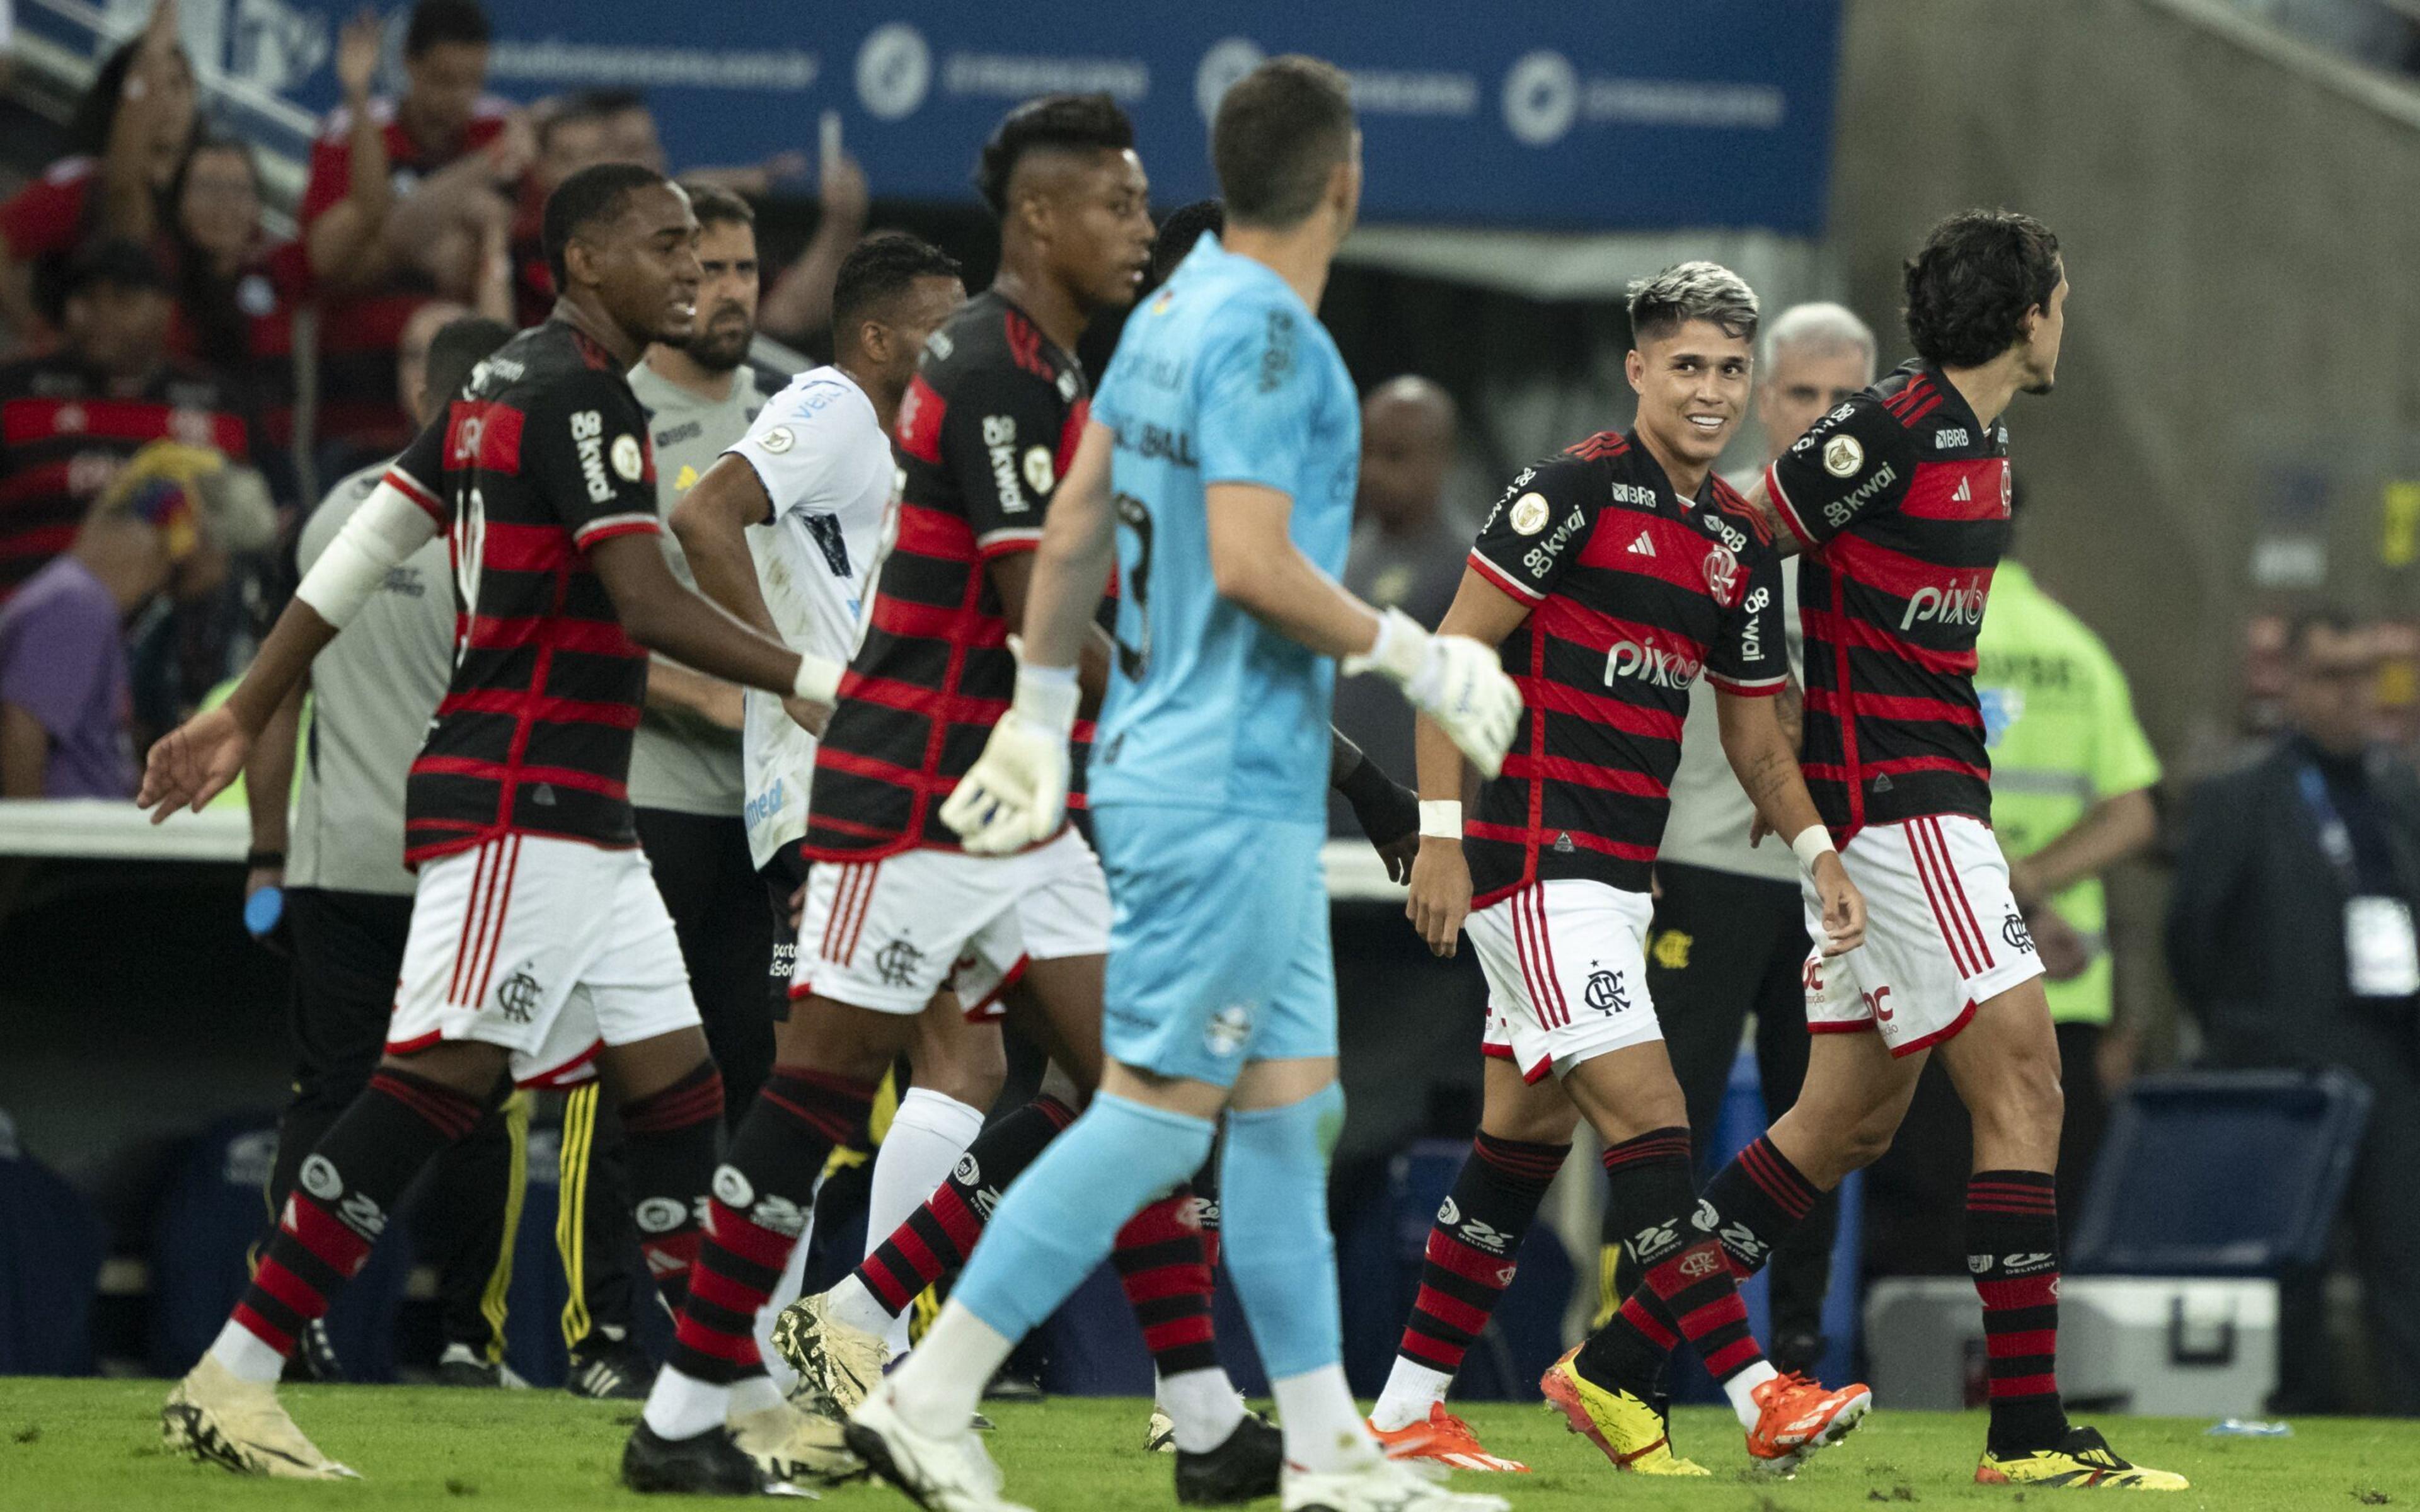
(539, 948)
(1900, 501)
(1612, 576)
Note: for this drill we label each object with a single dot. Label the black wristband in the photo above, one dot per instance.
(1387, 809)
(264, 860)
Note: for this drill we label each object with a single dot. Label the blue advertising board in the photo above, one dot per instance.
(1573, 114)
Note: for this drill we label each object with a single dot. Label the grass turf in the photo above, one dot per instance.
(71, 1445)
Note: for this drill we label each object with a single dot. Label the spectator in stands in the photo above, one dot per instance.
(407, 199)
(1407, 552)
(798, 307)
(572, 133)
(166, 522)
(2290, 939)
(70, 418)
(125, 140)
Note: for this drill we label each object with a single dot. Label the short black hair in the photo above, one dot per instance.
(594, 193)
(1280, 130)
(118, 261)
(435, 23)
(586, 105)
(714, 204)
(1970, 284)
(2331, 617)
(96, 109)
(461, 345)
(881, 267)
(1067, 122)
(1185, 225)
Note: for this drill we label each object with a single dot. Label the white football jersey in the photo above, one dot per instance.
(826, 464)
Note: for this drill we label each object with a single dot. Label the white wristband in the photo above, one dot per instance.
(819, 680)
(1440, 819)
(1813, 841)
(1396, 652)
(1048, 696)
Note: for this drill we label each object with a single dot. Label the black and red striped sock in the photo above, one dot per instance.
(1686, 1289)
(761, 1194)
(939, 1236)
(1165, 1271)
(1473, 1247)
(2013, 1250)
(1756, 1201)
(340, 1202)
(669, 1156)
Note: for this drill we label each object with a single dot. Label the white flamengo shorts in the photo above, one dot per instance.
(888, 934)
(548, 948)
(1566, 971)
(1943, 934)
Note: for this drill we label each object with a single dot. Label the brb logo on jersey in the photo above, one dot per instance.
(1650, 664)
(1959, 603)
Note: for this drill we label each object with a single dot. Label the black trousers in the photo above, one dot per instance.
(717, 902)
(465, 1209)
(1724, 947)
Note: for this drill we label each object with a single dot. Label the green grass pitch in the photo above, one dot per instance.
(93, 1446)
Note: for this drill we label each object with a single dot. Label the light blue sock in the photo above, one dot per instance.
(1058, 1219)
(1273, 1223)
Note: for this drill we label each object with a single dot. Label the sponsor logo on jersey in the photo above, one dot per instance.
(1000, 440)
(1653, 1243)
(1150, 440)
(1878, 1003)
(1228, 1029)
(1633, 495)
(1843, 455)
(1650, 664)
(1949, 436)
(1722, 574)
(1038, 474)
(588, 440)
(1734, 538)
(1960, 603)
(1529, 513)
(628, 460)
(1841, 511)
(778, 439)
(679, 432)
(1644, 546)
(1965, 494)
(1540, 558)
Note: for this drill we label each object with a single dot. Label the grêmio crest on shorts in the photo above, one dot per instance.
(1902, 499)
(1634, 592)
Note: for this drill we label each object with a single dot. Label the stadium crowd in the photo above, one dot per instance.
(194, 409)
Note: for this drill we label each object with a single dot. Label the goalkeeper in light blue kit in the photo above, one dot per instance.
(1221, 462)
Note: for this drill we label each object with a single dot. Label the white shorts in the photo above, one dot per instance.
(1943, 934)
(1566, 972)
(888, 934)
(548, 948)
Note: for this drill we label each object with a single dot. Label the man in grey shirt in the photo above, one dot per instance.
(1729, 936)
(348, 897)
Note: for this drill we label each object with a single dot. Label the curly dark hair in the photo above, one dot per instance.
(1970, 284)
(1068, 122)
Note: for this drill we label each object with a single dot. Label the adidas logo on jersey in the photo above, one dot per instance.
(1643, 547)
(1965, 494)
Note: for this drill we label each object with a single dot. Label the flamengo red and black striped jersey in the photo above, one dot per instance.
(65, 430)
(985, 430)
(1901, 498)
(1633, 591)
(543, 455)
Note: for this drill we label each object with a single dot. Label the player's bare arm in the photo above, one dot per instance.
(1765, 760)
(662, 615)
(711, 523)
(193, 763)
(1440, 897)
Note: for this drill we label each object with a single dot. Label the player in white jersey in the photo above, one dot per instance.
(785, 531)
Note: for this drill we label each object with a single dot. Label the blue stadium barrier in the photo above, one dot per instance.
(2221, 1174)
(51, 1245)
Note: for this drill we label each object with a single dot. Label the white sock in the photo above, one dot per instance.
(793, 1282)
(854, 1303)
(683, 1407)
(751, 1393)
(941, 1385)
(1204, 1406)
(1411, 1391)
(246, 1355)
(1322, 1428)
(928, 1133)
(1739, 1386)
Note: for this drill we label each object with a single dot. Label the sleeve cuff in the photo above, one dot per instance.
(1505, 580)
(1763, 687)
(1788, 511)
(414, 489)
(1007, 543)
(607, 526)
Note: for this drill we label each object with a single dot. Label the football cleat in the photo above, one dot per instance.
(1382, 1485)
(462, 1365)
(1160, 1434)
(1242, 1469)
(606, 1368)
(837, 1364)
(1447, 1440)
(2082, 1462)
(216, 1416)
(709, 1464)
(940, 1474)
(1796, 1416)
(790, 1443)
(1621, 1423)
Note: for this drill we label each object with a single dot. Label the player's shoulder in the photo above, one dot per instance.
(1726, 516)
(1592, 465)
(989, 337)
(337, 505)
(821, 402)
(553, 362)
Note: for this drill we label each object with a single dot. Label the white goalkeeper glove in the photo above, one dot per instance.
(1451, 678)
(1016, 792)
